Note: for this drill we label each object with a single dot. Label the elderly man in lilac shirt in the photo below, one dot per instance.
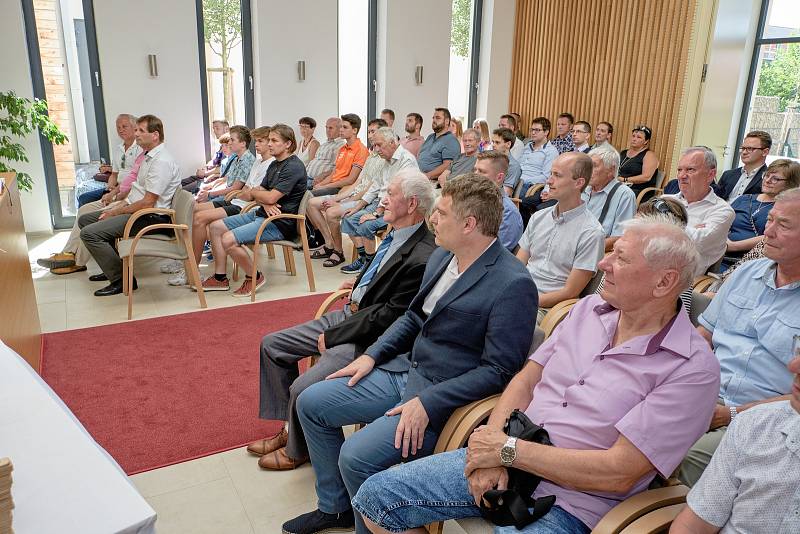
(623, 387)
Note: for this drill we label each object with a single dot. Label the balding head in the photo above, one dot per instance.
(332, 128)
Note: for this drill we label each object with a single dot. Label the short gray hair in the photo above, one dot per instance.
(666, 246)
(128, 116)
(415, 184)
(789, 195)
(608, 155)
(472, 131)
(386, 134)
(709, 158)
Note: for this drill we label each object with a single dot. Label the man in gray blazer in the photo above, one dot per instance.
(465, 334)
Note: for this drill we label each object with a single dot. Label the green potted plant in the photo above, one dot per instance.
(18, 118)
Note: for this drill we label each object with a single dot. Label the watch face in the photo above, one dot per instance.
(507, 455)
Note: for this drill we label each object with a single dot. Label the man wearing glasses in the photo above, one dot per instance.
(581, 131)
(746, 180)
(539, 154)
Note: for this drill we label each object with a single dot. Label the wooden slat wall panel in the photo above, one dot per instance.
(622, 61)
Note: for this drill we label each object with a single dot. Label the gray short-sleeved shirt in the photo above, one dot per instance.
(437, 149)
(558, 243)
(513, 174)
(462, 165)
(621, 208)
(753, 481)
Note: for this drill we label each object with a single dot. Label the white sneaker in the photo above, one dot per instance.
(171, 266)
(179, 279)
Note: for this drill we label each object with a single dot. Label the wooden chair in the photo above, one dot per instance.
(301, 242)
(515, 195)
(654, 191)
(177, 248)
(702, 283)
(699, 304)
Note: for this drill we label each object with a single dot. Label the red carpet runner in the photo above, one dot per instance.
(160, 391)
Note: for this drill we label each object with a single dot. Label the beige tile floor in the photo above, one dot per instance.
(225, 493)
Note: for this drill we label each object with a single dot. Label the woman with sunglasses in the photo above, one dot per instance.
(638, 165)
(747, 229)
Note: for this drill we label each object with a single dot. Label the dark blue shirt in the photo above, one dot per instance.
(751, 217)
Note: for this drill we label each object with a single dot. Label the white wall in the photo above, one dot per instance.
(16, 76)
(411, 33)
(126, 33)
(497, 50)
(287, 32)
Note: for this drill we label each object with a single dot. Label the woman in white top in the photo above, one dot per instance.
(307, 147)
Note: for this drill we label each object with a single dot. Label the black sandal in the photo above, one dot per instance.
(336, 258)
(321, 254)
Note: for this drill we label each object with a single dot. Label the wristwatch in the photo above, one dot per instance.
(508, 453)
(733, 412)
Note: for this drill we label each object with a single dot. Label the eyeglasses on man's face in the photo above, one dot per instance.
(750, 148)
(535, 130)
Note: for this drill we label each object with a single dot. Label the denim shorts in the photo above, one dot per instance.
(435, 489)
(245, 227)
(352, 227)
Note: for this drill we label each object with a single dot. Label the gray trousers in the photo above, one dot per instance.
(100, 238)
(699, 456)
(280, 380)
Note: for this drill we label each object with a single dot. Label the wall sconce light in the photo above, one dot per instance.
(152, 65)
(418, 75)
(301, 71)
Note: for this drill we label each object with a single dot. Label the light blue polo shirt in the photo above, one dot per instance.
(621, 208)
(437, 149)
(536, 163)
(752, 323)
(513, 174)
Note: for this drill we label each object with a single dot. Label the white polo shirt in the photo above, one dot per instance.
(122, 160)
(158, 174)
(257, 172)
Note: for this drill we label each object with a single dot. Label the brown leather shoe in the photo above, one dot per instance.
(266, 446)
(280, 461)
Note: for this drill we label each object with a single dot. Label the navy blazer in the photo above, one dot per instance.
(728, 181)
(475, 339)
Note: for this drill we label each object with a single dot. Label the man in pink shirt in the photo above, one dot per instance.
(624, 387)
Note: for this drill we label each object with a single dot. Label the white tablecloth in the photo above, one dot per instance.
(64, 482)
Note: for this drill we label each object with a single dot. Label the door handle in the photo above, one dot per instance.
(97, 78)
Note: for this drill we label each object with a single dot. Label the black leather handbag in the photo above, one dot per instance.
(516, 505)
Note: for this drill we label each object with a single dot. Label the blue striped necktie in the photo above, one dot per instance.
(376, 261)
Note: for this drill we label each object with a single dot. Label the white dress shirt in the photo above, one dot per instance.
(449, 277)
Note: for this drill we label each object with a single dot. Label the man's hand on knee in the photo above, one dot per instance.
(410, 431)
(357, 369)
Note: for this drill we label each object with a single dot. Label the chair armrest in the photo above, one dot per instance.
(555, 315)
(702, 283)
(232, 194)
(275, 218)
(638, 505)
(146, 211)
(328, 302)
(533, 189)
(249, 206)
(656, 521)
(152, 227)
(658, 191)
(516, 201)
(462, 422)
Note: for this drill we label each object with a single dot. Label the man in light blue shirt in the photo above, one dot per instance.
(493, 165)
(539, 154)
(751, 324)
(605, 196)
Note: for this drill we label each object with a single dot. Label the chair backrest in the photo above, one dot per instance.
(659, 179)
(518, 189)
(301, 210)
(699, 304)
(538, 339)
(594, 283)
(183, 204)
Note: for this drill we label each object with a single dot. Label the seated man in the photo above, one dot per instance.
(122, 160)
(562, 245)
(460, 340)
(218, 208)
(349, 161)
(612, 430)
(536, 161)
(465, 162)
(563, 140)
(746, 180)
(236, 171)
(413, 140)
(605, 197)
(602, 134)
(281, 191)
(157, 180)
(324, 161)
(502, 139)
(756, 467)
(710, 217)
(510, 122)
(581, 131)
(362, 221)
(493, 165)
(440, 148)
(325, 212)
(379, 296)
(212, 169)
(750, 324)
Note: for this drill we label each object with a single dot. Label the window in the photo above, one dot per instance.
(354, 60)
(772, 100)
(464, 51)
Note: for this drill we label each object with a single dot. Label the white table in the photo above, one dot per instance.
(64, 482)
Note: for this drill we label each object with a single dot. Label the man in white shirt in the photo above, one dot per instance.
(155, 186)
(710, 217)
(563, 244)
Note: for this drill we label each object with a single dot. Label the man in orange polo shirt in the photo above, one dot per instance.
(350, 160)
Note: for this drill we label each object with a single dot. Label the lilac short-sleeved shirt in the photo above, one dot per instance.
(658, 391)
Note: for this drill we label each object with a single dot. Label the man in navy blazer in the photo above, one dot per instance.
(464, 336)
(746, 180)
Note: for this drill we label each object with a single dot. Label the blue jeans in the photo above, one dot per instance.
(342, 466)
(352, 227)
(245, 227)
(435, 489)
(91, 196)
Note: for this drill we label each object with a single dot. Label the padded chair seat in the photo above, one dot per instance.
(152, 247)
(476, 525)
(296, 244)
(159, 237)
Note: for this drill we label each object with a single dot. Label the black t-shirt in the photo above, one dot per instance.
(288, 177)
